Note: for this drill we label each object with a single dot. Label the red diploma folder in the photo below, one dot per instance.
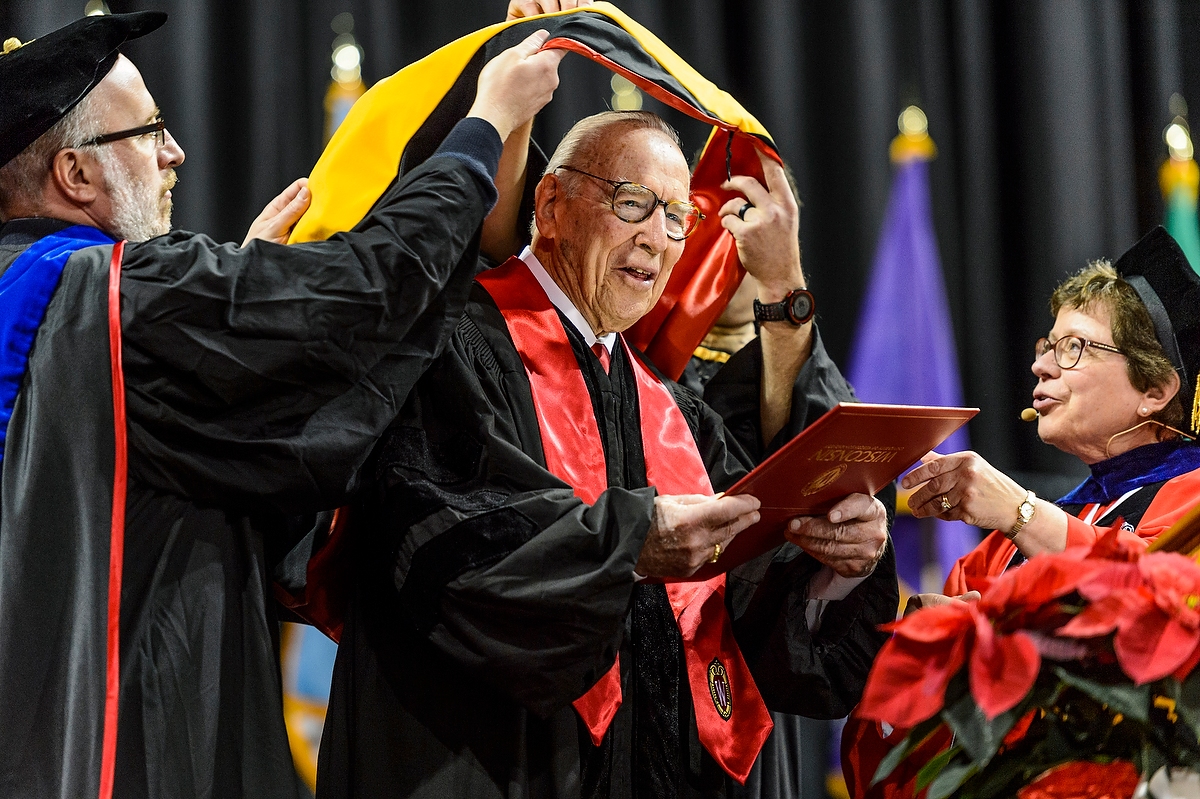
(855, 448)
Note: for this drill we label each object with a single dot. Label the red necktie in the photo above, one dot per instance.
(602, 353)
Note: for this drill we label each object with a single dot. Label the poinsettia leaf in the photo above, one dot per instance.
(1132, 701)
(950, 780)
(1003, 676)
(934, 767)
(978, 736)
(1152, 644)
(912, 741)
(1187, 702)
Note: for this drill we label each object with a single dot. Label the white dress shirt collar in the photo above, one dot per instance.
(563, 303)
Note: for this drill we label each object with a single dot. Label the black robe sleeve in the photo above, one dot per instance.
(496, 561)
(817, 675)
(266, 372)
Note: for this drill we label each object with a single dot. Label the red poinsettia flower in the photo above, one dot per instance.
(1154, 606)
(1083, 779)
(1035, 583)
(908, 681)
(1001, 638)
(1002, 667)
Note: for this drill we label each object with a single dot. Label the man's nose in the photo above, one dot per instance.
(170, 155)
(653, 236)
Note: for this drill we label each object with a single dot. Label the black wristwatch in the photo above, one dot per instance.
(797, 307)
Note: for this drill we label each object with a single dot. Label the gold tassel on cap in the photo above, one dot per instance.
(12, 44)
(1196, 406)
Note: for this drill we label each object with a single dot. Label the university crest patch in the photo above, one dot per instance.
(719, 689)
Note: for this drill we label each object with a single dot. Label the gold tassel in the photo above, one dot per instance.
(1196, 406)
(12, 44)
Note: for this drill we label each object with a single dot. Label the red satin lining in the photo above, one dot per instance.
(116, 548)
(327, 584)
(574, 453)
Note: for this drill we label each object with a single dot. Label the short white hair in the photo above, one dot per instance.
(584, 139)
(23, 179)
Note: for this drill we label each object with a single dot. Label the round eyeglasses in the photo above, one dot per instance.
(633, 203)
(157, 127)
(1069, 349)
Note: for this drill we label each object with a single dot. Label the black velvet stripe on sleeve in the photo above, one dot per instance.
(475, 542)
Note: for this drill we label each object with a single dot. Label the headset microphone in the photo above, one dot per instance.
(1029, 415)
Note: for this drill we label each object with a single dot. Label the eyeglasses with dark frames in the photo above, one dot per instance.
(633, 203)
(158, 127)
(1069, 349)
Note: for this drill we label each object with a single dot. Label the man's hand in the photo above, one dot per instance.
(767, 234)
(687, 528)
(918, 601)
(516, 84)
(850, 539)
(276, 221)
(529, 8)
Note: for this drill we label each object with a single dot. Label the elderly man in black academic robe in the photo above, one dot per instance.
(137, 633)
(510, 635)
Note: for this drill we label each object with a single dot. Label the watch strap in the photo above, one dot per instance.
(782, 311)
(1023, 518)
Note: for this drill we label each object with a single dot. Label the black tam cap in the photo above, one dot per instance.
(42, 80)
(1170, 288)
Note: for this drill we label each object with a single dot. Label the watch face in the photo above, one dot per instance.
(802, 307)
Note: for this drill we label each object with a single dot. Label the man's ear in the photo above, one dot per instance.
(1156, 398)
(545, 202)
(76, 177)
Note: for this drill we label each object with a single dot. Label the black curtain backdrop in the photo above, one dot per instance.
(1048, 116)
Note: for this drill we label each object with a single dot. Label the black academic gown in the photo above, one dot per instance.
(489, 597)
(257, 381)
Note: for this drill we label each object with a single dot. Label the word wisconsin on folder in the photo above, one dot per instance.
(855, 448)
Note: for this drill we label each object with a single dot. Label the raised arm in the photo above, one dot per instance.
(768, 242)
(287, 362)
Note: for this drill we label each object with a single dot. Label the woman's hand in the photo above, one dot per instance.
(964, 487)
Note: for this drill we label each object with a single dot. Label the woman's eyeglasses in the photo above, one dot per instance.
(1069, 349)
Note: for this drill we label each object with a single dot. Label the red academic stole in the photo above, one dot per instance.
(731, 718)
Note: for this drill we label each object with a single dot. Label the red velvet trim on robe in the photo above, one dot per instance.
(731, 717)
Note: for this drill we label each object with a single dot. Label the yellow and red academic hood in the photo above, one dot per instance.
(402, 120)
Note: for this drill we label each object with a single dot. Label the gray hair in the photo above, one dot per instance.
(584, 138)
(23, 179)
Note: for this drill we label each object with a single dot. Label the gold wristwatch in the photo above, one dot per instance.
(1025, 513)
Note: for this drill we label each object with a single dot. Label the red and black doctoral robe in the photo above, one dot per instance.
(490, 596)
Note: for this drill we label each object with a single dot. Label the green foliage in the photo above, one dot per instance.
(1098, 717)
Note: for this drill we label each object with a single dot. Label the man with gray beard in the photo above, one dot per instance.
(158, 389)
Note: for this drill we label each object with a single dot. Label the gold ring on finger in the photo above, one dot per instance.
(716, 553)
(946, 503)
